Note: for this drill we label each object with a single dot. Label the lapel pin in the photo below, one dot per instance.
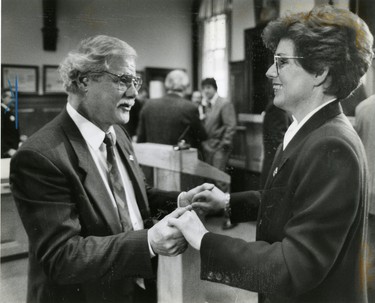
(274, 172)
(131, 158)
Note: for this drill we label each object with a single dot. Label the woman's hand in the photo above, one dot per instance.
(191, 227)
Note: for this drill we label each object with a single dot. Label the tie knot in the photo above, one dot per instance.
(108, 139)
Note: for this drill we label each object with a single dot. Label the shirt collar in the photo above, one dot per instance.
(214, 99)
(310, 114)
(296, 126)
(92, 134)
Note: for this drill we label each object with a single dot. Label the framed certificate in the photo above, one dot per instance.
(26, 75)
(52, 83)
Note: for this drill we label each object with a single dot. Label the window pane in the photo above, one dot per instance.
(215, 59)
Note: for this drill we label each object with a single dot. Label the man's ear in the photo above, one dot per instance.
(82, 83)
(322, 76)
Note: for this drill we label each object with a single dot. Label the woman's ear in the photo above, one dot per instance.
(322, 76)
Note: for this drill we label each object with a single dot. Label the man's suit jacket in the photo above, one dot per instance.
(365, 126)
(10, 135)
(311, 222)
(77, 251)
(166, 119)
(220, 124)
(275, 123)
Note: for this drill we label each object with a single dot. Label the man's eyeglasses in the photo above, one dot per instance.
(279, 61)
(125, 80)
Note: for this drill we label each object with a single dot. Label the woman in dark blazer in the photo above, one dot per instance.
(312, 219)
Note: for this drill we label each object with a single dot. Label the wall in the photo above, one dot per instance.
(160, 30)
(243, 18)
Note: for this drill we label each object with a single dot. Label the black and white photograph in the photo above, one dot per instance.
(187, 151)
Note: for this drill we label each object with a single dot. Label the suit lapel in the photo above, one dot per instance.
(132, 167)
(92, 181)
(213, 114)
(326, 113)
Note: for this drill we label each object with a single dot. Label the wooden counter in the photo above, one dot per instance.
(13, 236)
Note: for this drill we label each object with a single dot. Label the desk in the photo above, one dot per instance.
(179, 277)
(13, 236)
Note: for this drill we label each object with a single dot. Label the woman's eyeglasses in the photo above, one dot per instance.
(280, 60)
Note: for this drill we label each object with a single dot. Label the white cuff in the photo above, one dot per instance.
(152, 253)
(180, 200)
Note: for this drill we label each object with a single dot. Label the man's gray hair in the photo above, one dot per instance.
(92, 55)
(177, 81)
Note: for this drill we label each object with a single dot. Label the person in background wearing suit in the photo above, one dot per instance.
(132, 125)
(10, 135)
(172, 118)
(312, 219)
(197, 99)
(275, 123)
(220, 124)
(80, 191)
(365, 126)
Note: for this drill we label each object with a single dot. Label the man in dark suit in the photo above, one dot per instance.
(275, 123)
(365, 126)
(80, 191)
(220, 124)
(10, 135)
(312, 221)
(132, 125)
(172, 118)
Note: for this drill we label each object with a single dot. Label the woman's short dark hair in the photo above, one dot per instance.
(327, 37)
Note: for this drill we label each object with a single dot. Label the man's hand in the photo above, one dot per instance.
(167, 240)
(191, 227)
(11, 152)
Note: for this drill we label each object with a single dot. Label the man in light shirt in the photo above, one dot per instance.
(80, 191)
(220, 124)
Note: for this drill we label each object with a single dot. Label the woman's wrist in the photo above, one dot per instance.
(227, 208)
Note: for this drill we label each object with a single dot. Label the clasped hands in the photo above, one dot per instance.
(170, 236)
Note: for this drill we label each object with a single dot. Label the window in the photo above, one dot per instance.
(215, 53)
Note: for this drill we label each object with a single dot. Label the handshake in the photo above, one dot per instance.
(171, 236)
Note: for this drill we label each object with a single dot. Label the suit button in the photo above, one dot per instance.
(218, 276)
(210, 275)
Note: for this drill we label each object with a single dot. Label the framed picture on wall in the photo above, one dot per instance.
(52, 83)
(27, 78)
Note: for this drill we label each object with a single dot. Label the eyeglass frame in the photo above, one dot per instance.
(276, 57)
(135, 80)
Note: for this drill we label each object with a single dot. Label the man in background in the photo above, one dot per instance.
(10, 135)
(276, 122)
(365, 126)
(172, 118)
(197, 99)
(132, 125)
(220, 124)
